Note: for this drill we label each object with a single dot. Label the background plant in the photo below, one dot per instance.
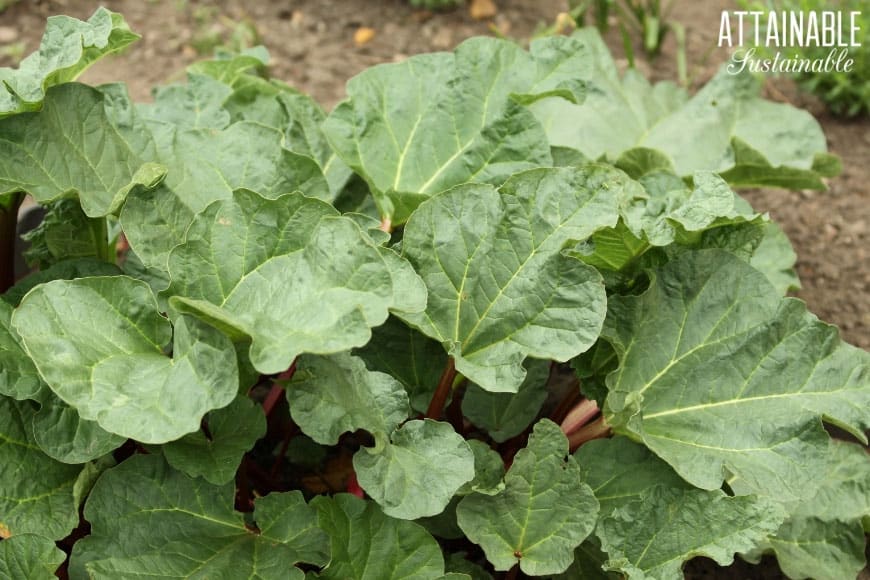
(845, 94)
(379, 303)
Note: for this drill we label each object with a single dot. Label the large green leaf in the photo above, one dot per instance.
(331, 395)
(416, 473)
(543, 513)
(150, 521)
(653, 521)
(409, 356)
(500, 286)
(824, 537)
(318, 281)
(37, 494)
(99, 344)
(66, 270)
(62, 434)
(19, 378)
(29, 557)
(70, 148)
(433, 121)
(620, 471)
(68, 47)
(367, 545)
(653, 536)
(725, 127)
(232, 431)
(504, 415)
(776, 258)
(206, 165)
(720, 377)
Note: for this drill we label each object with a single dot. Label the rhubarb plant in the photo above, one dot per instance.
(499, 313)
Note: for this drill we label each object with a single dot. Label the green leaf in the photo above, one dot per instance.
(500, 287)
(196, 105)
(232, 431)
(70, 148)
(367, 545)
(29, 557)
(724, 128)
(125, 382)
(291, 258)
(148, 520)
(823, 537)
(416, 473)
(204, 166)
(588, 564)
(776, 258)
(68, 47)
(620, 471)
(63, 435)
(542, 515)
(66, 270)
(408, 356)
(66, 233)
(19, 378)
(37, 493)
(434, 121)
(719, 376)
(504, 415)
(653, 536)
(331, 395)
(456, 562)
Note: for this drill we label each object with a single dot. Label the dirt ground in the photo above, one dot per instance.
(313, 48)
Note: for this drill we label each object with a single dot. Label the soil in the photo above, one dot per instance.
(313, 47)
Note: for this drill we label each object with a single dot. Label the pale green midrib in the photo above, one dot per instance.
(535, 251)
(797, 394)
(486, 102)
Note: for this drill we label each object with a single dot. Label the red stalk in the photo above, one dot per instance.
(436, 406)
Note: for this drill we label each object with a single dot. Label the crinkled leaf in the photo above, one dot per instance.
(776, 259)
(19, 378)
(416, 473)
(66, 270)
(620, 471)
(653, 536)
(500, 286)
(65, 233)
(504, 415)
(124, 381)
(588, 563)
(725, 127)
(68, 47)
(407, 355)
(331, 395)
(819, 548)
(664, 212)
(823, 537)
(318, 281)
(37, 493)
(415, 128)
(232, 431)
(148, 520)
(367, 545)
(205, 165)
(457, 562)
(719, 376)
(196, 105)
(29, 557)
(543, 513)
(488, 470)
(71, 148)
(63, 435)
